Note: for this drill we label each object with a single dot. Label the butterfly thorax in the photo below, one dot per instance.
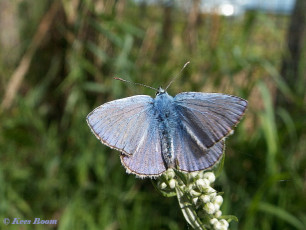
(164, 106)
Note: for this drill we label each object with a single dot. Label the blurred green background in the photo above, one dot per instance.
(57, 63)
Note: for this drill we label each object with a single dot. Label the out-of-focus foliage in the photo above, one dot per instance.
(65, 55)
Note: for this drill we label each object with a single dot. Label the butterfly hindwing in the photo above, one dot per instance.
(148, 160)
(190, 154)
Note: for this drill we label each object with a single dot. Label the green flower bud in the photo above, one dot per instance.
(218, 200)
(210, 176)
(194, 193)
(209, 208)
(217, 225)
(172, 183)
(218, 213)
(162, 185)
(213, 221)
(205, 198)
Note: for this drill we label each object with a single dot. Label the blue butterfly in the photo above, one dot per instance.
(153, 134)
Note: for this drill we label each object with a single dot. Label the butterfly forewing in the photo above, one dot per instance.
(122, 124)
(210, 116)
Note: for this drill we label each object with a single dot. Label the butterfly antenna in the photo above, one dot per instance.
(120, 79)
(177, 75)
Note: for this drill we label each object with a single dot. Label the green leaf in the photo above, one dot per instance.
(219, 167)
(181, 176)
(229, 218)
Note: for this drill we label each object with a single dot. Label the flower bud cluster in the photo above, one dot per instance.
(206, 198)
(198, 188)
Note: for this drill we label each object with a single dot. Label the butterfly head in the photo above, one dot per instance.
(160, 91)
